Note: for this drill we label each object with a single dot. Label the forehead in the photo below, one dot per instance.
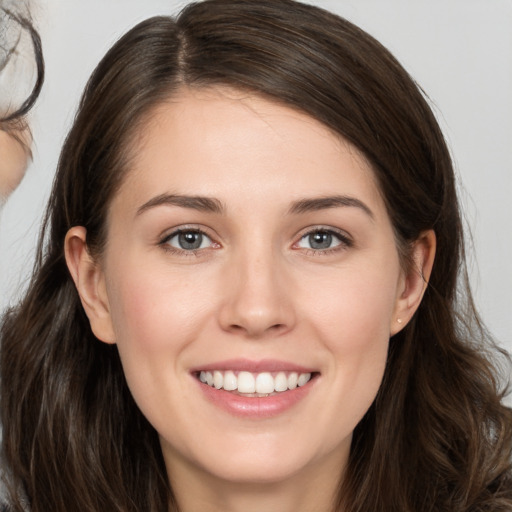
(219, 140)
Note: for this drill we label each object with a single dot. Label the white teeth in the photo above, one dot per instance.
(281, 382)
(218, 379)
(303, 379)
(230, 381)
(292, 380)
(264, 383)
(248, 383)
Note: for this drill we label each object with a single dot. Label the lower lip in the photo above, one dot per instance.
(256, 407)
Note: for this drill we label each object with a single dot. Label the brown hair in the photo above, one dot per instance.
(14, 121)
(437, 436)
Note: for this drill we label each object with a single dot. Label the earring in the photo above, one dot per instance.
(398, 320)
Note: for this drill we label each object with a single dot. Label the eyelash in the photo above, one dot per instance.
(345, 241)
(164, 243)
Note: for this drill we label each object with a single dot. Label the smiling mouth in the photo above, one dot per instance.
(250, 384)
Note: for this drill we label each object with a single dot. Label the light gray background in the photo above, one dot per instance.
(460, 51)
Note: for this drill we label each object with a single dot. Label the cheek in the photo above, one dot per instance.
(158, 314)
(355, 309)
(352, 318)
(12, 164)
(155, 317)
(151, 311)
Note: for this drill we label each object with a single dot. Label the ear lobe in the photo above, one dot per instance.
(90, 283)
(415, 280)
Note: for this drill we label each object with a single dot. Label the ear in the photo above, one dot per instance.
(414, 281)
(90, 283)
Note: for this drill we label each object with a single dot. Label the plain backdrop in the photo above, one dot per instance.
(459, 51)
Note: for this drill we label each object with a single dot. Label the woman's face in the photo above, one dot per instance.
(249, 247)
(13, 162)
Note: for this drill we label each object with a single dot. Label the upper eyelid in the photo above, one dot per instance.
(177, 232)
(170, 232)
(328, 229)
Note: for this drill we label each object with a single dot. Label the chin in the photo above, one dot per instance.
(258, 472)
(266, 460)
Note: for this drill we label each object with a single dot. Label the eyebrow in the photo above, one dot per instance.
(322, 203)
(200, 203)
(213, 205)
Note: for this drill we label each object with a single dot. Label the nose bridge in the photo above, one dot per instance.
(257, 300)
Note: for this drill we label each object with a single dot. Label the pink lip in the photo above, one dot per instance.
(246, 365)
(254, 407)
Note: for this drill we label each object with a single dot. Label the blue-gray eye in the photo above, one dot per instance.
(320, 240)
(189, 240)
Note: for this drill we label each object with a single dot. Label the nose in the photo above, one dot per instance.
(257, 297)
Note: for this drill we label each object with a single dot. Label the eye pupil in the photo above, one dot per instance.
(190, 240)
(320, 240)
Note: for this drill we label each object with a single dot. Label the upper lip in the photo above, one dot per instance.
(260, 366)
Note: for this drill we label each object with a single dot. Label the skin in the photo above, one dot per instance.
(255, 290)
(13, 161)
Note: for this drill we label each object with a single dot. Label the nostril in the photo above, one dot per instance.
(256, 331)
(254, 315)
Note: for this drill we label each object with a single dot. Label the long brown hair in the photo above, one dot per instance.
(437, 437)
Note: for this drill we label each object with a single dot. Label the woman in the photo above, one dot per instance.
(15, 136)
(246, 292)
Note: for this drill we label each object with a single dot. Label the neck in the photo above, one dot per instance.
(312, 490)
